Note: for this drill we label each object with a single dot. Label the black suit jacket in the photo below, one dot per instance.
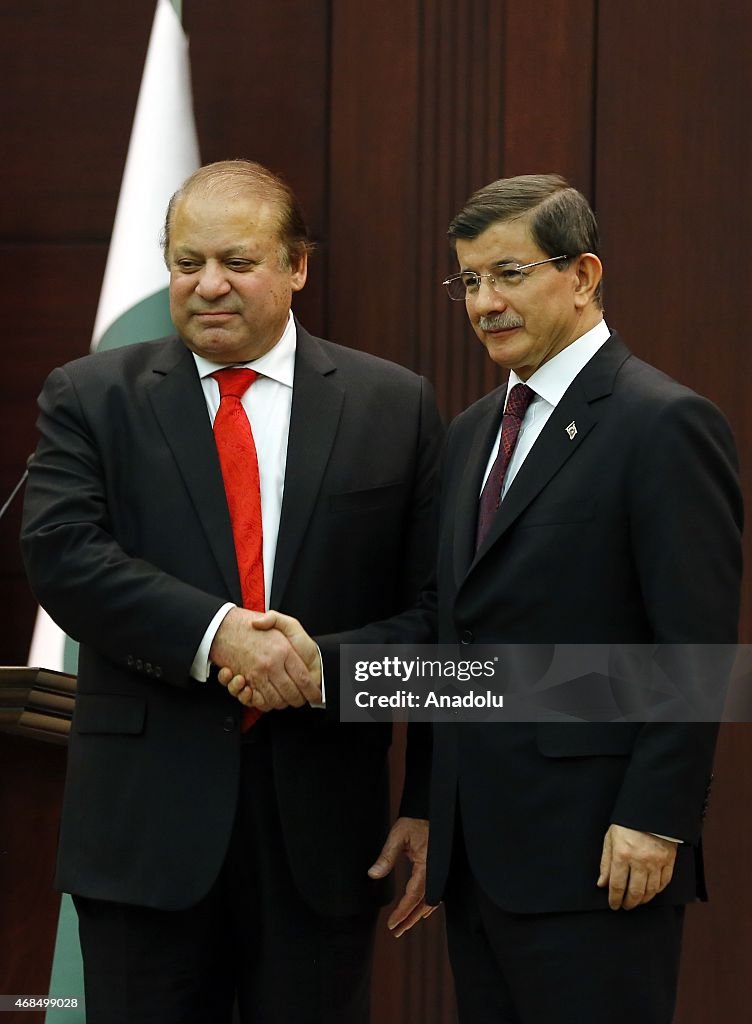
(627, 533)
(128, 545)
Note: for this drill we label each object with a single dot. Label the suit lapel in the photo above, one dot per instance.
(179, 405)
(558, 442)
(551, 450)
(316, 410)
(466, 510)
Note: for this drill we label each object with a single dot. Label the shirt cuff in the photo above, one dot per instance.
(669, 839)
(201, 664)
(322, 703)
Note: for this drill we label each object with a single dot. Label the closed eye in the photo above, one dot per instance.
(239, 265)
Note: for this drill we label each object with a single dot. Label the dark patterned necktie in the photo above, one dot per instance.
(519, 399)
(239, 464)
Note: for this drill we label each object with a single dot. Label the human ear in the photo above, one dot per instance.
(589, 271)
(300, 272)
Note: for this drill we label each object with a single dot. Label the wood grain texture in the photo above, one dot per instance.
(385, 119)
(715, 983)
(31, 786)
(261, 92)
(66, 113)
(672, 162)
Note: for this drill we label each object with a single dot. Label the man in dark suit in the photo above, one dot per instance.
(565, 852)
(208, 858)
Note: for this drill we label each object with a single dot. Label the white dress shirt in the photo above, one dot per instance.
(267, 403)
(549, 382)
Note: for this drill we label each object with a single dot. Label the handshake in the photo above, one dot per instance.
(267, 660)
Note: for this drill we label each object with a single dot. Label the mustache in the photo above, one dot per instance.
(499, 322)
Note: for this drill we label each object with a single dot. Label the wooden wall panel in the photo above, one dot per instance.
(261, 91)
(672, 162)
(373, 181)
(550, 98)
(461, 148)
(31, 786)
(66, 112)
(715, 981)
(433, 101)
(384, 120)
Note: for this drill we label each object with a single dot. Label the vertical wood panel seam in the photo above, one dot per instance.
(594, 79)
(326, 199)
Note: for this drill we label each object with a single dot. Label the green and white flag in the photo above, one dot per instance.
(163, 151)
(133, 306)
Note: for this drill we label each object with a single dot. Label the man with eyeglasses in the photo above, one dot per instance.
(590, 499)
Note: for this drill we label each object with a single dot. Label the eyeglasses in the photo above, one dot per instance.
(506, 277)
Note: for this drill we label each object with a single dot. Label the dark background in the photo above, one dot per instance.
(384, 118)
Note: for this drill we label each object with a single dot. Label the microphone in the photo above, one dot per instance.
(18, 487)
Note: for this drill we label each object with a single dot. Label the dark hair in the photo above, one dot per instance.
(561, 222)
(234, 178)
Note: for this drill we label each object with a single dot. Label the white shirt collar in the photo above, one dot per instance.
(551, 380)
(277, 364)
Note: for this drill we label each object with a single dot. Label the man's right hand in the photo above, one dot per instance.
(263, 668)
(301, 642)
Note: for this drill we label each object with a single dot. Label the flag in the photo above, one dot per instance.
(133, 306)
(163, 151)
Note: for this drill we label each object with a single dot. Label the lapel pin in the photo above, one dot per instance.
(571, 430)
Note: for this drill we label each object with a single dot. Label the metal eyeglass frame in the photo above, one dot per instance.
(492, 278)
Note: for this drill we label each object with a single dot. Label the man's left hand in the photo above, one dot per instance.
(408, 836)
(635, 866)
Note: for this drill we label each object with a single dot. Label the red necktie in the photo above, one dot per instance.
(240, 473)
(519, 399)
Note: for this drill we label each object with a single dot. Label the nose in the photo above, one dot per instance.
(212, 281)
(488, 299)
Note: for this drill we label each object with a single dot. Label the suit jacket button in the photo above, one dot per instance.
(229, 724)
(467, 636)
(158, 672)
(139, 664)
(130, 661)
(148, 668)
